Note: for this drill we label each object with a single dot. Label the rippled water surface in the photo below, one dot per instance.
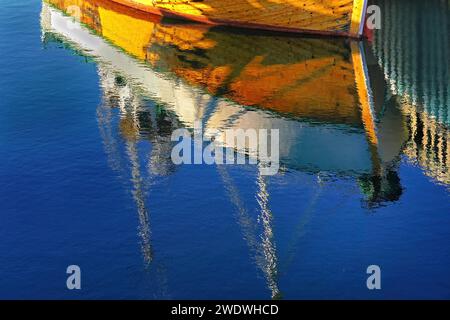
(86, 116)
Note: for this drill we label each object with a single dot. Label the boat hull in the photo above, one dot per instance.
(325, 17)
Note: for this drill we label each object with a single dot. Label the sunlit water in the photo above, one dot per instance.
(86, 115)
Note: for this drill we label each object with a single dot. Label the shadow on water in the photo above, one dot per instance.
(339, 107)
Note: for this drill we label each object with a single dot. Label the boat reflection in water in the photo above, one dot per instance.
(333, 118)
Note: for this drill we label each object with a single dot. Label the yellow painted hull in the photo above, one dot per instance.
(324, 17)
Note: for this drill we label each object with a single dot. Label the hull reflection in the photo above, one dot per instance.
(318, 88)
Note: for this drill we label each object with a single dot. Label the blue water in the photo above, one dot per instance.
(64, 201)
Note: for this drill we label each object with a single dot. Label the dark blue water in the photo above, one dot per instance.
(72, 194)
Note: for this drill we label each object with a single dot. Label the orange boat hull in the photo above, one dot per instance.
(324, 17)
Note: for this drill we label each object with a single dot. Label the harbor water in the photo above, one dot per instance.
(91, 92)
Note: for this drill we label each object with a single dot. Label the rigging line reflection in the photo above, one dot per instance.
(268, 241)
(117, 93)
(304, 218)
(139, 198)
(124, 98)
(262, 248)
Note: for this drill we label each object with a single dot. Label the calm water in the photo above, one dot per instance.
(86, 114)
